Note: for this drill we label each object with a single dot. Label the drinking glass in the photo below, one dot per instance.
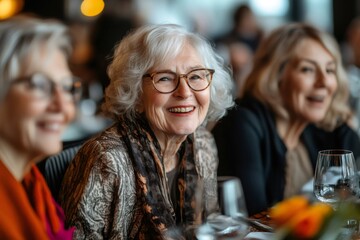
(231, 197)
(336, 178)
(228, 223)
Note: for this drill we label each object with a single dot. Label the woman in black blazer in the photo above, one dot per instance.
(293, 104)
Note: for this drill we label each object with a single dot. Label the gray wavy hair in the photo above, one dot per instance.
(150, 46)
(21, 39)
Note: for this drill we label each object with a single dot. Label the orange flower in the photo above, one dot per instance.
(296, 218)
(307, 224)
(283, 211)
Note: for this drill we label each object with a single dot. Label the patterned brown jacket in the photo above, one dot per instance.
(99, 193)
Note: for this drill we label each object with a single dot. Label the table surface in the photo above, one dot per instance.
(264, 218)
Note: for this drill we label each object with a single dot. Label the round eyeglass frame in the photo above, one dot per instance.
(179, 76)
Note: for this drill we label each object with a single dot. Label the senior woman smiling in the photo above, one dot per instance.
(37, 94)
(138, 177)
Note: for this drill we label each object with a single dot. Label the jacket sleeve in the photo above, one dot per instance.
(350, 140)
(343, 137)
(93, 195)
(239, 139)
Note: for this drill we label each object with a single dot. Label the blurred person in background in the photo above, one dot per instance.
(245, 29)
(238, 45)
(37, 97)
(241, 58)
(138, 177)
(293, 104)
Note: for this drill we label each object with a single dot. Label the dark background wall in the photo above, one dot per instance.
(343, 13)
(46, 8)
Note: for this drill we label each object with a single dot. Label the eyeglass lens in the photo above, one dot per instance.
(42, 87)
(197, 80)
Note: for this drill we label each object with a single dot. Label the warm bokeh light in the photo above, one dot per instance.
(92, 8)
(9, 8)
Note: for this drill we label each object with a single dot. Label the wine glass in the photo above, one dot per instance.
(185, 232)
(231, 197)
(336, 178)
(228, 223)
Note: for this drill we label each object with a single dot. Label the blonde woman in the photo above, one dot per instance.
(294, 103)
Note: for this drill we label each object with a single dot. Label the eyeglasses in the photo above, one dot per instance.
(167, 81)
(42, 87)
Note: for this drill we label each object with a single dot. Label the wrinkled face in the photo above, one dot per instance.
(31, 125)
(179, 112)
(309, 82)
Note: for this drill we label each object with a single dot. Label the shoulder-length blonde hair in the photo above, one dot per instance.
(277, 49)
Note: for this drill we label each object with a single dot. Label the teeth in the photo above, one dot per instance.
(181, 109)
(53, 126)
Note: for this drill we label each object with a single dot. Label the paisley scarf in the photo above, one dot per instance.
(153, 191)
